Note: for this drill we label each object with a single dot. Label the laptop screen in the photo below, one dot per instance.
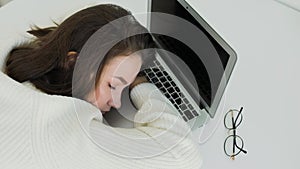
(210, 91)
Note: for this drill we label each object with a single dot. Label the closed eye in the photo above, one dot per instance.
(110, 86)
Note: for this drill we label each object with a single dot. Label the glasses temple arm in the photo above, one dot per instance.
(240, 112)
(244, 151)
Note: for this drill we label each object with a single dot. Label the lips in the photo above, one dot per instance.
(105, 111)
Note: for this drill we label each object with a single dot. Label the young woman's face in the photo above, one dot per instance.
(116, 75)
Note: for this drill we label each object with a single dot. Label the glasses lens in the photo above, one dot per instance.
(233, 145)
(232, 116)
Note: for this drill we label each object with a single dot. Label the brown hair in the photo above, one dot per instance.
(44, 61)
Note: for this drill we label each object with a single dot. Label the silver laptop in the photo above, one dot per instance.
(191, 70)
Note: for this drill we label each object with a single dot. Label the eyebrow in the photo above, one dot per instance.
(121, 79)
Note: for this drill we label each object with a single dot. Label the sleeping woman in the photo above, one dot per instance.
(80, 69)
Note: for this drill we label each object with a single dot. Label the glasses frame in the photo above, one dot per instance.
(234, 135)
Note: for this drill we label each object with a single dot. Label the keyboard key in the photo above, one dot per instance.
(165, 73)
(178, 101)
(177, 89)
(185, 101)
(175, 95)
(163, 90)
(183, 107)
(147, 70)
(173, 84)
(158, 85)
(189, 115)
(167, 95)
(184, 118)
(151, 75)
(164, 80)
(167, 84)
(159, 74)
(182, 95)
(172, 101)
(170, 90)
(169, 78)
(190, 106)
(155, 70)
(195, 113)
(154, 80)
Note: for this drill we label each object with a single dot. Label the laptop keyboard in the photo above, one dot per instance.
(161, 79)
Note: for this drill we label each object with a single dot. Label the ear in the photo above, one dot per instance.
(71, 59)
(72, 56)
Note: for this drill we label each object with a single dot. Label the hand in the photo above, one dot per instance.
(138, 80)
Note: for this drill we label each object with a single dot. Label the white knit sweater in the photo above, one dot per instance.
(40, 131)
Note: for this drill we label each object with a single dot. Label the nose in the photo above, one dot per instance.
(115, 102)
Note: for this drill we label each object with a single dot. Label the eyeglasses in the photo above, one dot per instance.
(233, 144)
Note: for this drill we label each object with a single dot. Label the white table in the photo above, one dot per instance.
(266, 37)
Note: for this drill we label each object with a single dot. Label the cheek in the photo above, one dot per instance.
(102, 94)
(116, 94)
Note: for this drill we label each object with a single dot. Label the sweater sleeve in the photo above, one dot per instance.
(156, 111)
(158, 118)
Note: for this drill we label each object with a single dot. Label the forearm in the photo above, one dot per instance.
(156, 111)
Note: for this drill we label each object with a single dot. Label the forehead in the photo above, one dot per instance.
(123, 66)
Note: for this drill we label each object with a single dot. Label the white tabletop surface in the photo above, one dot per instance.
(266, 37)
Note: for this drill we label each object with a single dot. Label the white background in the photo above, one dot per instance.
(266, 37)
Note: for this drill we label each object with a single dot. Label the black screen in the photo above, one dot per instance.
(181, 50)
